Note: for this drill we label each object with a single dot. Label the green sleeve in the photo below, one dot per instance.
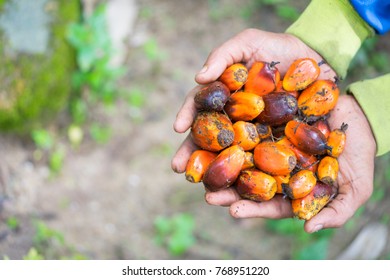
(373, 97)
(333, 29)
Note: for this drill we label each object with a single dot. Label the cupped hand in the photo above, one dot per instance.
(356, 164)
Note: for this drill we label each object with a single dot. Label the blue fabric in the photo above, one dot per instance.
(375, 12)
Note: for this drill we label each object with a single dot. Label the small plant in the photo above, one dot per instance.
(101, 134)
(13, 223)
(33, 255)
(175, 233)
(49, 243)
(94, 50)
(96, 80)
(48, 150)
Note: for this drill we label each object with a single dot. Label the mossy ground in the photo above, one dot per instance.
(35, 88)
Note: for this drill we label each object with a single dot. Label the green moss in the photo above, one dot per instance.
(35, 88)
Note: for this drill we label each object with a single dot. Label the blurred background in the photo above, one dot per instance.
(89, 91)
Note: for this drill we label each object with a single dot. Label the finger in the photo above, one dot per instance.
(222, 198)
(180, 159)
(327, 73)
(338, 211)
(230, 52)
(276, 208)
(187, 112)
(334, 215)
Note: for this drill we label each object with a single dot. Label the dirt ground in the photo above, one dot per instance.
(107, 197)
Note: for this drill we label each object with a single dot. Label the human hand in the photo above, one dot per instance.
(356, 163)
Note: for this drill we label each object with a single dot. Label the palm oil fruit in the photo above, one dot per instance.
(244, 106)
(235, 76)
(328, 169)
(262, 78)
(304, 160)
(223, 171)
(319, 98)
(301, 73)
(306, 138)
(212, 131)
(280, 181)
(274, 159)
(336, 141)
(197, 165)
(300, 184)
(256, 185)
(245, 135)
(279, 108)
(264, 131)
(308, 206)
(212, 97)
(248, 162)
(323, 126)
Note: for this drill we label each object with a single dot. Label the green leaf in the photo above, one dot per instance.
(179, 243)
(163, 225)
(184, 223)
(85, 58)
(42, 139)
(33, 255)
(56, 160)
(136, 98)
(287, 12)
(12, 223)
(101, 134)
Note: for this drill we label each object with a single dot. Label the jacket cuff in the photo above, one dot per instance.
(373, 97)
(333, 29)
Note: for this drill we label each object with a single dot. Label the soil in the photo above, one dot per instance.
(107, 196)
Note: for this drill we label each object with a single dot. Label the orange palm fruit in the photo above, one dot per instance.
(307, 207)
(279, 88)
(319, 98)
(234, 77)
(212, 97)
(197, 165)
(304, 160)
(223, 171)
(300, 184)
(248, 162)
(279, 108)
(301, 73)
(336, 140)
(212, 131)
(264, 131)
(280, 181)
(256, 185)
(244, 106)
(274, 159)
(323, 126)
(245, 135)
(306, 138)
(262, 78)
(328, 169)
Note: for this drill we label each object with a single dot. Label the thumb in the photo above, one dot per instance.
(219, 59)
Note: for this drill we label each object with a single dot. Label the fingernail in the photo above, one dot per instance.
(317, 228)
(203, 70)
